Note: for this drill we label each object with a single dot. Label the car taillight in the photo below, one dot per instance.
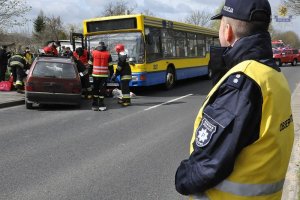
(29, 86)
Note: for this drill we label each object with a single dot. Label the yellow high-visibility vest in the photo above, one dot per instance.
(260, 168)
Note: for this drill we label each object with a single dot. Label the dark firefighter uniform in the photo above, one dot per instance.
(100, 61)
(124, 70)
(81, 56)
(18, 66)
(243, 134)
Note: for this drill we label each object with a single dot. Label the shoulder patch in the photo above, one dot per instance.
(236, 80)
(204, 133)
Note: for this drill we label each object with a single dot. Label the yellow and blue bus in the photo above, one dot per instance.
(164, 51)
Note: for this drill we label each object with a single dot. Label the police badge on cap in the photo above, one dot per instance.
(204, 133)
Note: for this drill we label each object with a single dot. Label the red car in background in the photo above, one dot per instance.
(53, 80)
(284, 55)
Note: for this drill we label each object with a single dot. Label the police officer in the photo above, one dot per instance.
(123, 69)
(100, 60)
(18, 66)
(243, 134)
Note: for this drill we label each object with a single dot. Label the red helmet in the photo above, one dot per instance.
(119, 48)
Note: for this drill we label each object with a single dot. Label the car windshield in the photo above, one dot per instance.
(276, 52)
(133, 42)
(54, 70)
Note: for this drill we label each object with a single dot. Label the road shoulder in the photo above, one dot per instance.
(291, 185)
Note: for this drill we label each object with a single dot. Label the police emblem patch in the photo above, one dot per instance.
(204, 133)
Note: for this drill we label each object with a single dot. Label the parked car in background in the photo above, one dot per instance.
(53, 80)
(282, 56)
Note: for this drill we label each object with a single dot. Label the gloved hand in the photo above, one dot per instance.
(113, 78)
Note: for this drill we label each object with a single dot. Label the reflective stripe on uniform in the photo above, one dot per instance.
(19, 83)
(126, 77)
(126, 96)
(103, 75)
(250, 189)
(12, 63)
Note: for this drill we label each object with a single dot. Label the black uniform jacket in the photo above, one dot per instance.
(209, 165)
(123, 67)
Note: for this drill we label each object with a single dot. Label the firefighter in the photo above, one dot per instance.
(50, 49)
(123, 69)
(100, 60)
(81, 56)
(244, 131)
(18, 66)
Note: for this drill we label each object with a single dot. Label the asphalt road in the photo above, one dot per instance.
(59, 152)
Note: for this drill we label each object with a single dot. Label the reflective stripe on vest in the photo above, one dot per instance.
(100, 71)
(250, 189)
(200, 197)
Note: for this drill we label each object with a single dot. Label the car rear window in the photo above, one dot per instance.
(55, 70)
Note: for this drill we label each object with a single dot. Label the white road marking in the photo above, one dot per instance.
(168, 102)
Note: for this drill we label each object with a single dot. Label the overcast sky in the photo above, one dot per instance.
(74, 11)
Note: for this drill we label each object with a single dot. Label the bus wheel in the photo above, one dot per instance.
(294, 63)
(278, 62)
(170, 78)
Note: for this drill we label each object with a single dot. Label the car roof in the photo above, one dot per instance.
(56, 59)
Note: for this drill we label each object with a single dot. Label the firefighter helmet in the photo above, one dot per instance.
(119, 48)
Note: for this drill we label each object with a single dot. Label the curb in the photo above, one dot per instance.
(12, 103)
(291, 185)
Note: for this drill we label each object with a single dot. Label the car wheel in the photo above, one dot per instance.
(278, 62)
(170, 78)
(28, 105)
(294, 63)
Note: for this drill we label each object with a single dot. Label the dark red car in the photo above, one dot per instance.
(53, 80)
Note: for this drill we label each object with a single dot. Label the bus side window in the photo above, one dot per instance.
(153, 44)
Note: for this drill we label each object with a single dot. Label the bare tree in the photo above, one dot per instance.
(12, 12)
(118, 8)
(148, 13)
(199, 18)
(293, 6)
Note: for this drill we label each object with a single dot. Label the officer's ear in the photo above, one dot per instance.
(229, 35)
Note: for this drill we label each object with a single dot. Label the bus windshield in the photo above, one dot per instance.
(133, 42)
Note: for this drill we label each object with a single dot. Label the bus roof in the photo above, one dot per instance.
(150, 21)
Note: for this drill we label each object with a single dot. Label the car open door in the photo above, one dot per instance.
(77, 37)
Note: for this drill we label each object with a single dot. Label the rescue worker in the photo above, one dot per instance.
(18, 66)
(100, 60)
(4, 56)
(81, 55)
(123, 69)
(243, 134)
(50, 49)
(28, 56)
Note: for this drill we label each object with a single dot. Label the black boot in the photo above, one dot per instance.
(95, 104)
(102, 106)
